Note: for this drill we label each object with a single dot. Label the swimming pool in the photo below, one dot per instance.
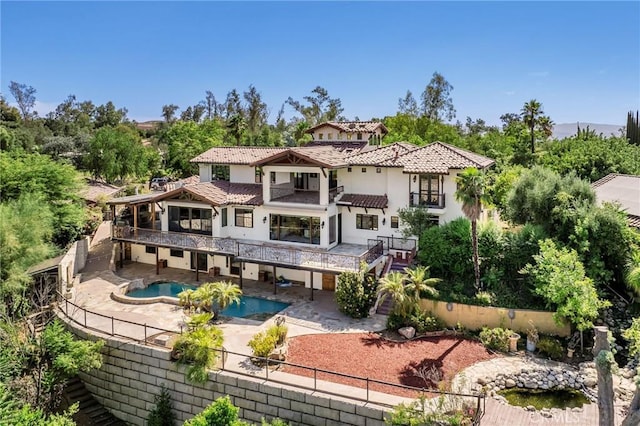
(249, 306)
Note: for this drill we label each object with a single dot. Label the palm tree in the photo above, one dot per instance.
(533, 117)
(420, 282)
(392, 285)
(225, 293)
(471, 194)
(236, 127)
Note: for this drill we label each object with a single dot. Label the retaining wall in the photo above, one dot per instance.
(475, 317)
(132, 374)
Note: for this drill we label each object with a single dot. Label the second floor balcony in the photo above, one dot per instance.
(427, 200)
(344, 257)
(289, 194)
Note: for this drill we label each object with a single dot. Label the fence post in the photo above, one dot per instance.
(267, 369)
(224, 355)
(315, 379)
(85, 317)
(112, 327)
(145, 333)
(367, 389)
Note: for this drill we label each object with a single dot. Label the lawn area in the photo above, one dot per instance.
(439, 359)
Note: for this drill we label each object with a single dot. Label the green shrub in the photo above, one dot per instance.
(162, 413)
(424, 321)
(496, 338)
(551, 347)
(356, 293)
(221, 412)
(262, 344)
(420, 320)
(198, 347)
(279, 332)
(484, 298)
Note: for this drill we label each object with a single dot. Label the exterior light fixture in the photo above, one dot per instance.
(414, 178)
(384, 220)
(264, 219)
(322, 224)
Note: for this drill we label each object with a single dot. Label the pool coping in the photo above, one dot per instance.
(120, 295)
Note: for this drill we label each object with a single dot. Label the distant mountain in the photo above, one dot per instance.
(564, 130)
(148, 125)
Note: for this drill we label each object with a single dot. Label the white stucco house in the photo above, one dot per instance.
(311, 212)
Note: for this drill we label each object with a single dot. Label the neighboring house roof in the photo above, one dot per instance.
(220, 193)
(133, 199)
(439, 157)
(364, 200)
(96, 189)
(323, 156)
(45, 265)
(238, 155)
(621, 189)
(351, 126)
(385, 155)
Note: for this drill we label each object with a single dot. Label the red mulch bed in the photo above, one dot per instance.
(370, 355)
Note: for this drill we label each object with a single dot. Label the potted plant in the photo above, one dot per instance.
(513, 342)
(532, 337)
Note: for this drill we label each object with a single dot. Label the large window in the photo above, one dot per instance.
(295, 229)
(176, 253)
(367, 221)
(244, 218)
(332, 229)
(219, 172)
(430, 190)
(258, 173)
(150, 249)
(189, 219)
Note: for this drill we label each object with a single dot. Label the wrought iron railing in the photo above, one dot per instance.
(398, 243)
(146, 334)
(427, 199)
(334, 192)
(249, 251)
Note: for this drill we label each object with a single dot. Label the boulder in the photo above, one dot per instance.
(590, 381)
(407, 332)
(510, 383)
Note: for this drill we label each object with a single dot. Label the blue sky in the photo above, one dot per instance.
(580, 59)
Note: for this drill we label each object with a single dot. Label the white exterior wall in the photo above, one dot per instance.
(242, 174)
(205, 172)
(341, 136)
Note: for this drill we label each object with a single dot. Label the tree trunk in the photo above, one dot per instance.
(476, 261)
(633, 416)
(605, 380)
(533, 138)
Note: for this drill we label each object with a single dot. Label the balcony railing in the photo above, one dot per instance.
(426, 199)
(250, 251)
(334, 192)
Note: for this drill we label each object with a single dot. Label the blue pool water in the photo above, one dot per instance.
(170, 289)
(248, 307)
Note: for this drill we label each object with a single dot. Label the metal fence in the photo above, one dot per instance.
(142, 333)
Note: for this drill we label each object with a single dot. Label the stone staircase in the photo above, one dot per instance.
(91, 412)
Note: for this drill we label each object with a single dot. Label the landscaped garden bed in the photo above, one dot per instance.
(423, 363)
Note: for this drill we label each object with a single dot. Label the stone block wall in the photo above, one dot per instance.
(132, 374)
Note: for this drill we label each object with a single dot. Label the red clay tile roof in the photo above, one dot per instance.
(96, 189)
(323, 156)
(342, 146)
(236, 154)
(220, 193)
(364, 200)
(352, 126)
(634, 221)
(387, 155)
(439, 157)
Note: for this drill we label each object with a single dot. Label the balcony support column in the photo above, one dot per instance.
(241, 268)
(273, 278)
(121, 255)
(311, 281)
(197, 267)
(157, 262)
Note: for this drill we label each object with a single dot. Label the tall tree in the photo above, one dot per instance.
(256, 110)
(436, 99)
(169, 112)
(232, 105)
(408, 105)
(210, 105)
(109, 115)
(534, 118)
(236, 126)
(471, 193)
(116, 153)
(320, 107)
(25, 97)
(633, 128)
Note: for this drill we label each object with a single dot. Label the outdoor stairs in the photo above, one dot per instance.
(90, 410)
(386, 306)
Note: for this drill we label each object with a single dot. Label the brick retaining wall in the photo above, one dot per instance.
(132, 374)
